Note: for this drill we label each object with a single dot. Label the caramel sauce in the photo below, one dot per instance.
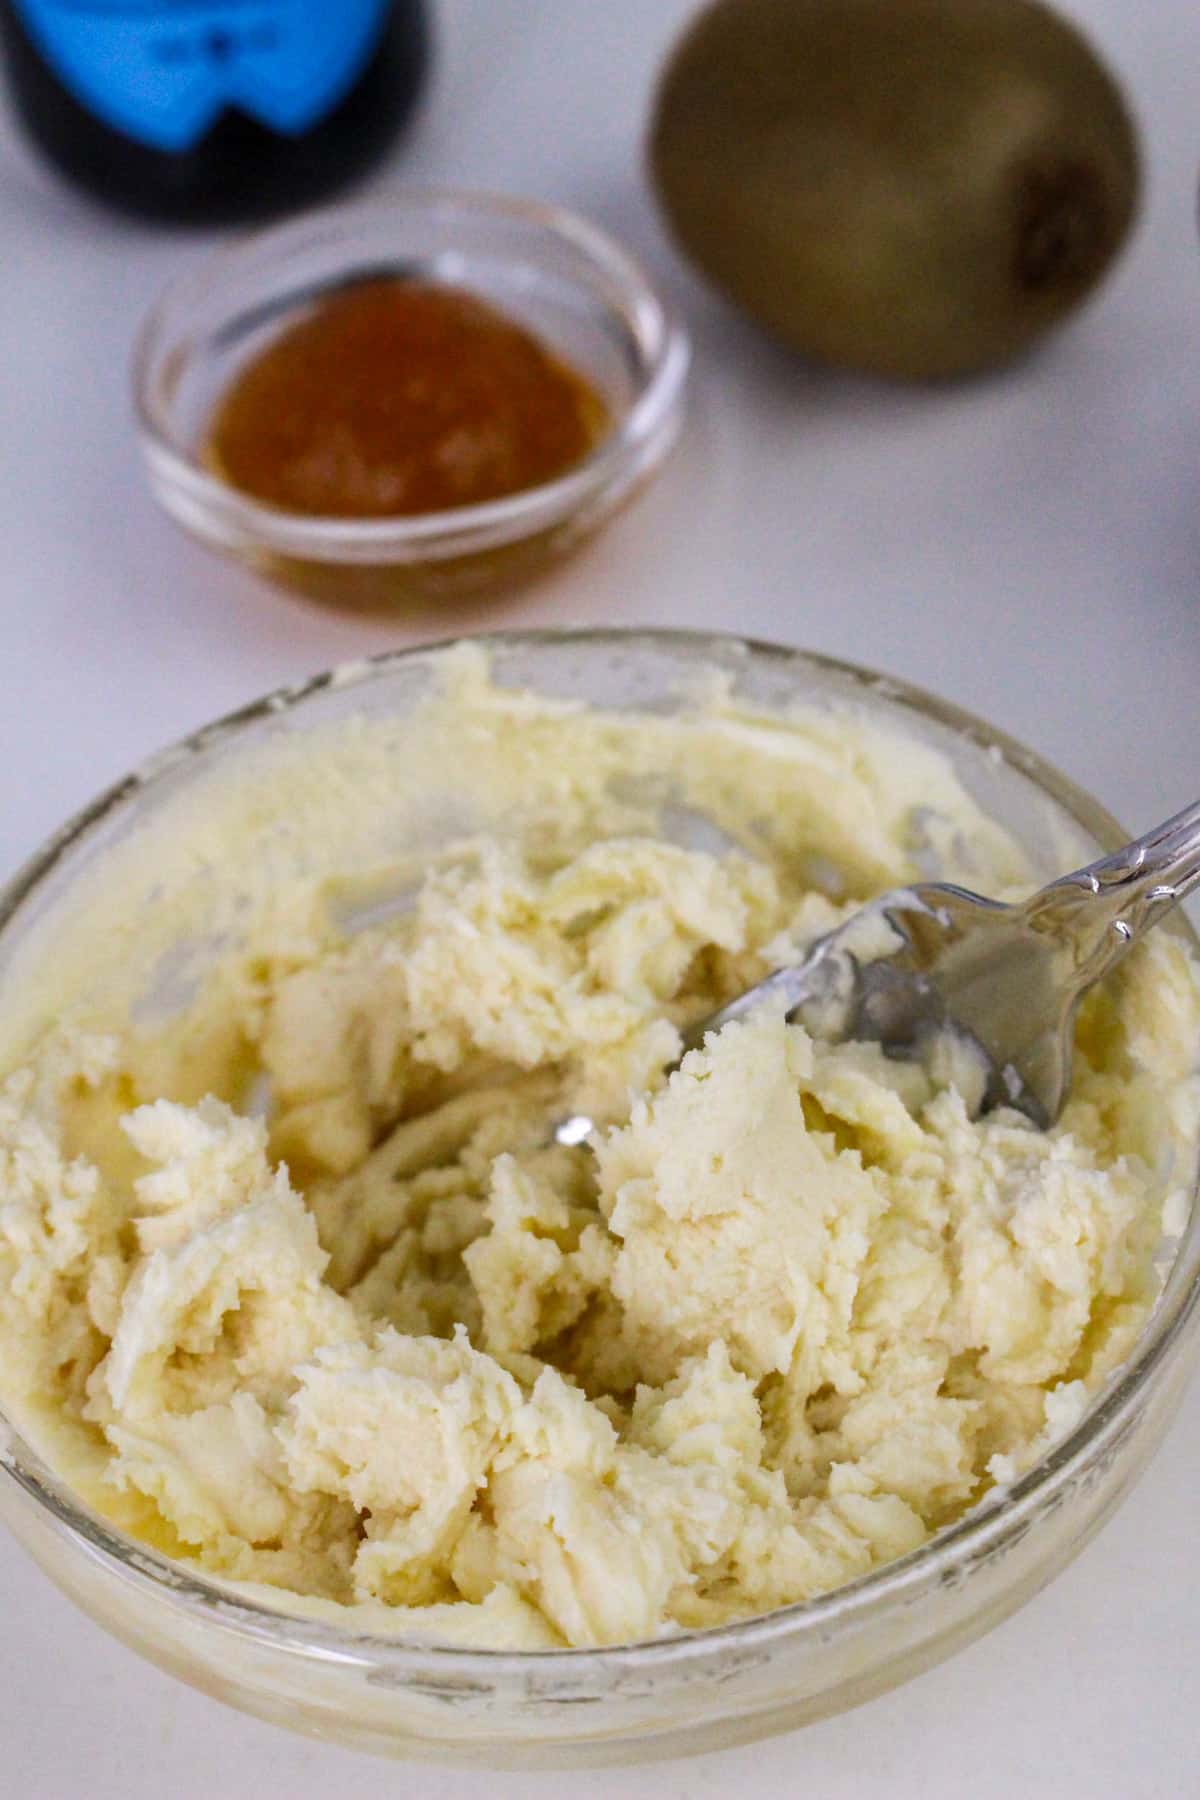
(399, 397)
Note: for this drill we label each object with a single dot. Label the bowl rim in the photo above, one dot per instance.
(642, 433)
(947, 1557)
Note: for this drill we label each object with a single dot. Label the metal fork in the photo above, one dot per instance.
(1007, 978)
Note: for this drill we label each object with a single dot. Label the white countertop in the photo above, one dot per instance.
(1029, 546)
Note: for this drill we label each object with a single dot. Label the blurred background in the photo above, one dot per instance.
(1028, 543)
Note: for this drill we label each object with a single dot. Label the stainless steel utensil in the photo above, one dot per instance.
(926, 959)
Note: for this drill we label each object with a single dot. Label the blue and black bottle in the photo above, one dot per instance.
(212, 110)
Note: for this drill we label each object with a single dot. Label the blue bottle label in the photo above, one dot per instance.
(161, 71)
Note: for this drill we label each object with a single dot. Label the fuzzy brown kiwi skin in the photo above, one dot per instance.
(914, 188)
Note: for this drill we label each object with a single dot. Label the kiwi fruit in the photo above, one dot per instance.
(916, 188)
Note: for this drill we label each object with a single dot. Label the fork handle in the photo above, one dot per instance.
(1102, 910)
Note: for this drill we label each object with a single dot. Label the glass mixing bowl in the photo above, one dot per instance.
(696, 1691)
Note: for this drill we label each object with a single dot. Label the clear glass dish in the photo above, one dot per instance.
(696, 1691)
(555, 273)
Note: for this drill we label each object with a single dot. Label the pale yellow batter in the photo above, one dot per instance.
(292, 1286)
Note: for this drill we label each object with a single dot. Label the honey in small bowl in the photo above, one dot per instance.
(396, 398)
(421, 399)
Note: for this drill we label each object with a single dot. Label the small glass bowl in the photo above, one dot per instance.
(698, 1690)
(559, 276)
